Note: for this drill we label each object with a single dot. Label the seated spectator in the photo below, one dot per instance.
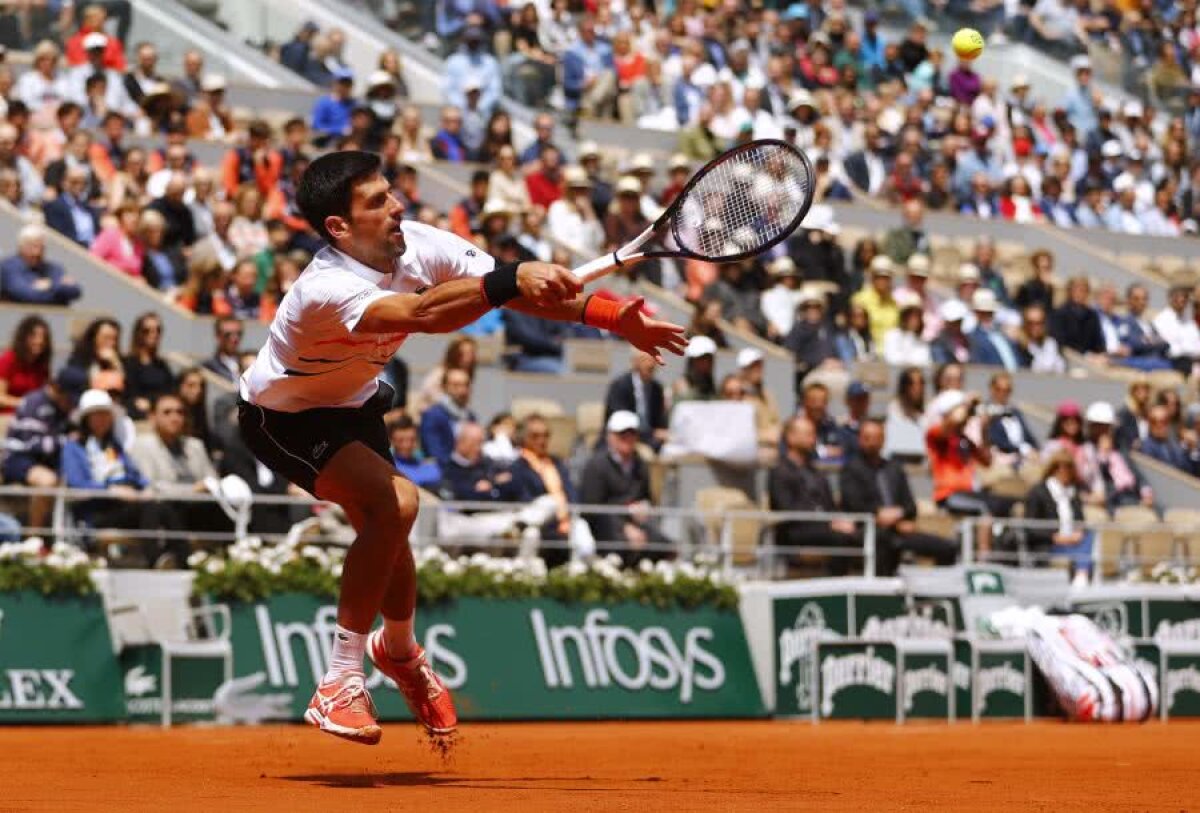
(697, 383)
(210, 116)
(471, 66)
(706, 321)
(192, 389)
(179, 227)
(858, 407)
(904, 344)
(217, 245)
(95, 360)
(70, 214)
(571, 219)
(812, 339)
(119, 244)
(589, 77)
(331, 113)
(780, 302)
(545, 182)
(225, 361)
(247, 232)
(1115, 478)
(33, 446)
(855, 341)
(538, 343)
(116, 97)
(1012, 441)
(1177, 327)
(1162, 446)
(1066, 432)
(174, 464)
(616, 475)
(738, 294)
(537, 473)
(984, 258)
(951, 345)
(954, 458)
(1134, 415)
(466, 215)
(461, 354)
(794, 484)
(1146, 350)
(905, 427)
(505, 183)
(1075, 324)
(447, 143)
(873, 484)
(814, 405)
(11, 159)
(258, 162)
(1057, 498)
(77, 156)
(402, 435)
(767, 419)
(438, 423)
(988, 344)
(92, 19)
(25, 365)
(910, 237)
(245, 302)
(499, 446)
(640, 393)
(1037, 349)
(147, 375)
(97, 461)
(43, 87)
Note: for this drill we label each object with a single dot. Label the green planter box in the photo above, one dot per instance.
(56, 661)
(526, 659)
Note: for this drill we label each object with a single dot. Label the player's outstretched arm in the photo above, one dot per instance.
(458, 303)
(626, 320)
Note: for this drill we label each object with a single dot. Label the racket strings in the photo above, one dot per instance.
(744, 203)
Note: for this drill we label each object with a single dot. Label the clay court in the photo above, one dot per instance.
(609, 766)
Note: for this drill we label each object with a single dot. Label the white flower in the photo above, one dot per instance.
(613, 559)
(196, 559)
(56, 561)
(33, 546)
(454, 567)
(336, 570)
(645, 566)
(252, 542)
(9, 550)
(576, 568)
(480, 559)
(214, 565)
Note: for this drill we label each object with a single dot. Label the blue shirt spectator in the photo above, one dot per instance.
(1079, 104)
(447, 144)
(36, 434)
(70, 214)
(98, 462)
(584, 63)
(1159, 444)
(331, 114)
(28, 277)
(425, 473)
(453, 15)
(294, 53)
(438, 423)
(472, 66)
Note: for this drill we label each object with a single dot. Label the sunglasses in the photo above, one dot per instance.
(226, 334)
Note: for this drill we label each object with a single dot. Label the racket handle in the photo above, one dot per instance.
(602, 267)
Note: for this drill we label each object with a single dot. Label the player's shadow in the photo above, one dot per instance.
(412, 779)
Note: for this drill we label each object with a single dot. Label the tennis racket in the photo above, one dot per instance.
(737, 206)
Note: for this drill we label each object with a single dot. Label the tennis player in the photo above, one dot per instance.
(311, 407)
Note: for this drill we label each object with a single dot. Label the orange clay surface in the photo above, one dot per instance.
(709, 767)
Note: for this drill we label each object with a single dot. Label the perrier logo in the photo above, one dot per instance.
(858, 669)
(796, 647)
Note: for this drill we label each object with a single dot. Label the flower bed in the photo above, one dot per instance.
(63, 570)
(249, 571)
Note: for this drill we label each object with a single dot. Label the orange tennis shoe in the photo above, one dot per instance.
(342, 707)
(427, 697)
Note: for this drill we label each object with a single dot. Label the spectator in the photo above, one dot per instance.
(537, 343)
(33, 446)
(530, 70)
(697, 383)
(616, 475)
(472, 67)
(162, 266)
(536, 473)
(867, 170)
(245, 302)
(119, 244)
(984, 258)
(903, 344)
(951, 344)
(641, 394)
(218, 245)
(147, 375)
(572, 220)
(545, 182)
(179, 229)
(1038, 289)
(424, 472)
(543, 128)
(77, 156)
(624, 221)
(225, 362)
(767, 421)
(589, 77)
(811, 339)
(465, 216)
(25, 365)
(872, 484)
(210, 117)
(854, 341)
(257, 162)
(247, 233)
(461, 354)
(858, 407)
(295, 52)
(910, 238)
(43, 88)
(965, 84)
(331, 113)
(97, 461)
(70, 214)
(878, 301)
(498, 447)
(192, 389)
(816, 251)
(448, 144)
(1115, 478)
(1075, 325)
(814, 405)
(1081, 101)
(505, 183)
(438, 422)
(780, 302)
(1134, 415)
(794, 484)
(174, 465)
(988, 344)
(116, 98)
(11, 159)
(29, 278)
(905, 431)
(1178, 329)
(1056, 497)
(1011, 439)
(738, 295)
(92, 19)
(1038, 350)
(698, 142)
(1159, 443)
(953, 460)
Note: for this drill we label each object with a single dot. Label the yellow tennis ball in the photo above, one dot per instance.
(967, 43)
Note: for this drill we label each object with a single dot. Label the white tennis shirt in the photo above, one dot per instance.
(312, 357)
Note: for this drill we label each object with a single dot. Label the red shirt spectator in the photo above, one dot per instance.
(114, 51)
(951, 462)
(543, 188)
(25, 366)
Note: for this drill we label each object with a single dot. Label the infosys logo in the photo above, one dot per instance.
(611, 654)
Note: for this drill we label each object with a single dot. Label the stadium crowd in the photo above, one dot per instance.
(228, 241)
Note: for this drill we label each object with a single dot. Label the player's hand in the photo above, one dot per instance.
(546, 283)
(649, 335)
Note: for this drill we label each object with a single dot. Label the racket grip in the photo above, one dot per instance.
(594, 270)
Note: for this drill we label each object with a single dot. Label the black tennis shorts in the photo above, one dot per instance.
(297, 445)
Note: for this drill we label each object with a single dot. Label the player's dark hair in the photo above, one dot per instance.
(327, 186)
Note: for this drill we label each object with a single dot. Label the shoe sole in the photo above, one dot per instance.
(437, 732)
(367, 735)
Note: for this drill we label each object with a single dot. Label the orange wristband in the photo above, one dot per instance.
(601, 313)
